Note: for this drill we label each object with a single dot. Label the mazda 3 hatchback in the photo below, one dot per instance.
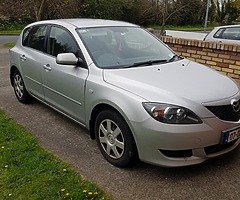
(135, 95)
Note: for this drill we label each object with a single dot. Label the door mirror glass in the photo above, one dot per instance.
(67, 59)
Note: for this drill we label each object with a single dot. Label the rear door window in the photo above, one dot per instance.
(36, 38)
(231, 33)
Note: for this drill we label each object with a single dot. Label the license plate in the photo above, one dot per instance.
(230, 135)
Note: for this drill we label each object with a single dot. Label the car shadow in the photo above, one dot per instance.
(218, 164)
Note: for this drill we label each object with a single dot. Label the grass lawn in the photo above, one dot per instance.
(183, 28)
(10, 32)
(27, 171)
(9, 44)
(11, 28)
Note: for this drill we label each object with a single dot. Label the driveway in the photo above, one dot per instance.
(215, 179)
(8, 38)
(186, 34)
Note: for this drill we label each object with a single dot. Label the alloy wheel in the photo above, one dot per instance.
(111, 138)
(18, 86)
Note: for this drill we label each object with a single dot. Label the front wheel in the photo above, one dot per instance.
(115, 139)
(19, 88)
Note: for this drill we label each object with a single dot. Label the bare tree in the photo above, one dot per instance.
(165, 9)
(38, 8)
(49, 9)
(13, 10)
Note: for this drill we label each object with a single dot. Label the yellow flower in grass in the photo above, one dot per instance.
(67, 194)
(90, 193)
(62, 190)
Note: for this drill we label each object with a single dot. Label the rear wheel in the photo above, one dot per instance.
(19, 88)
(115, 139)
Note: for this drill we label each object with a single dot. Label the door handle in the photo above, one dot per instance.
(47, 67)
(23, 57)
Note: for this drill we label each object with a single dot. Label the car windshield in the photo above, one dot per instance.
(124, 47)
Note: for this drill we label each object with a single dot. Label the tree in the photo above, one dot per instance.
(237, 4)
(104, 9)
(137, 11)
(190, 13)
(13, 11)
(227, 11)
(38, 8)
(165, 9)
(50, 9)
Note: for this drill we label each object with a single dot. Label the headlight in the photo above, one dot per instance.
(171, 114)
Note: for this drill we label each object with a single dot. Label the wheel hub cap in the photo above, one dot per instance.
(111, 139)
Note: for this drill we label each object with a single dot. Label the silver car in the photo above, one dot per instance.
(225, 34)
(135, 95)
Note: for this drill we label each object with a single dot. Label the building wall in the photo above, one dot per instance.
(221, 57)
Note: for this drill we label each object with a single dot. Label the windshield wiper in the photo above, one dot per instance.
(175, 58)
(146, 63)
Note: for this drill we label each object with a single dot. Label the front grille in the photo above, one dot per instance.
(177, 153)
(218, 147)
(225, 112)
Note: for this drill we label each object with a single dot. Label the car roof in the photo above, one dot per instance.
(84, 23)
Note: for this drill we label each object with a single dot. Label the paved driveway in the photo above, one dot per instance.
(215, 179)
(186, 34)
(8, 38)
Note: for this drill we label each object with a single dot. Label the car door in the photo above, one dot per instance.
(64, 84)
(33, 48)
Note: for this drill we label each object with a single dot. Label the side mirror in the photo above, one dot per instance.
(67, 59)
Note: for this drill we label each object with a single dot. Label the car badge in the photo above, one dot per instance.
(235, 105)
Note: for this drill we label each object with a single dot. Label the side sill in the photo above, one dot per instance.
(61, 112)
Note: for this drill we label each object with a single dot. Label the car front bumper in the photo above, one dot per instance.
(181, 145)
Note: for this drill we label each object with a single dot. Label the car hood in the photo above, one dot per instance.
(181, 79)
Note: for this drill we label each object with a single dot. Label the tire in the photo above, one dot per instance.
(19, 88)
(115, 139)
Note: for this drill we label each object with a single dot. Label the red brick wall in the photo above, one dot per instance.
(221, 57)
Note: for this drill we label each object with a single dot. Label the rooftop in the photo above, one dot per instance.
(83, 22)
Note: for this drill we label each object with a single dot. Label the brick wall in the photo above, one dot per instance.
(221, 57)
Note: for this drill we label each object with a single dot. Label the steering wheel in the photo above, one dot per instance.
(98, 53)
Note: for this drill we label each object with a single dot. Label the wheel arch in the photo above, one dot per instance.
(105, 106)
(97, 109)
(12, 70)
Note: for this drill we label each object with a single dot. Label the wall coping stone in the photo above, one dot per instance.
(199, 43)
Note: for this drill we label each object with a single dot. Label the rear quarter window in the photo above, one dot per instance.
(25, 36)
(231, 33)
